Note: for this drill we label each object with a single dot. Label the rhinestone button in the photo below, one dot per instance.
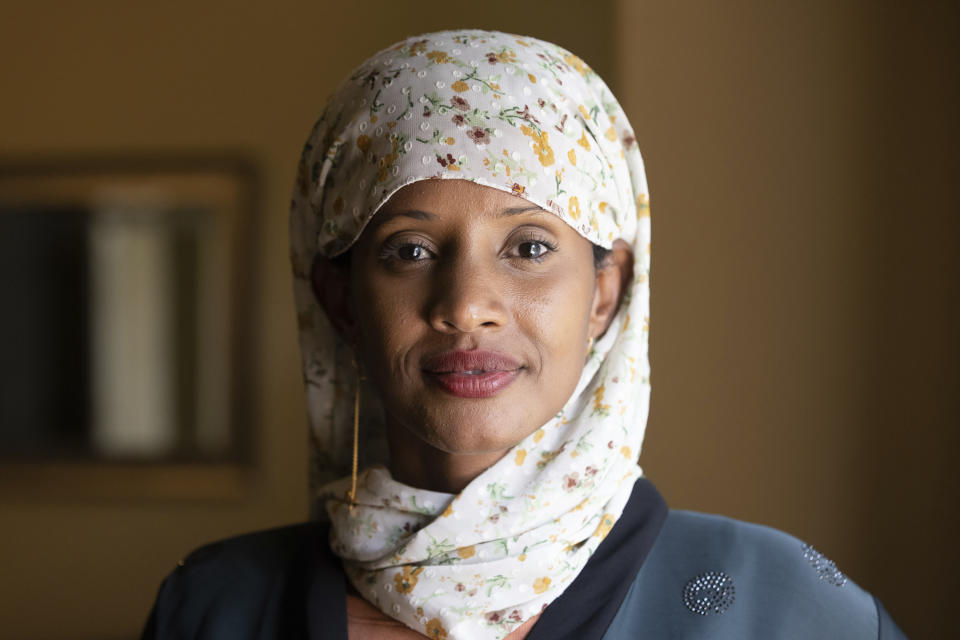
(825, 567)
(710, 592)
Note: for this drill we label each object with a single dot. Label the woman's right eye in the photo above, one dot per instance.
(405, 251)
(411, 252)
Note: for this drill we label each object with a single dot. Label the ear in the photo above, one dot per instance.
(613, 276)
(331, 287)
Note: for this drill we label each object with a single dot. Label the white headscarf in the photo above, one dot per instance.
(530, 118)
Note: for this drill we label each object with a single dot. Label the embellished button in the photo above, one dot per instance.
(825, 567)
(710, 592)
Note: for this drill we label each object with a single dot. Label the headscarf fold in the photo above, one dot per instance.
(530, 118)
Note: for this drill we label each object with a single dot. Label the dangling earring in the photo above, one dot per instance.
(356, 435)
(589, 345)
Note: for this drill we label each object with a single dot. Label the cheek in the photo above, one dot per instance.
(388, 326)
(555, 314)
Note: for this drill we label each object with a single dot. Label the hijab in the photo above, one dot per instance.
(530, 118)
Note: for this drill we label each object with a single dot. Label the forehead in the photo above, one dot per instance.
(459, 205)
(450, 195)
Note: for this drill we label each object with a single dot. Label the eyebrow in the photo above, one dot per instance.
(512, 211)
(416, 214)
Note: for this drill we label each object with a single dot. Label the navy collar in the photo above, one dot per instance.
(587, 607)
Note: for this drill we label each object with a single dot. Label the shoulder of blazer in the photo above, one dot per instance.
(711, 576)
(257, 585)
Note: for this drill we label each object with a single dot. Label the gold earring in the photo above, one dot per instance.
(589, 345)
(356, 436)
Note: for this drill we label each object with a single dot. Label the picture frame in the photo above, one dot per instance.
(129, 284)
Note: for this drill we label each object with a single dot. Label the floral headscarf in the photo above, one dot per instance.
(529, 118)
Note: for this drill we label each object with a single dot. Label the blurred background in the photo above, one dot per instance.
(803, 165)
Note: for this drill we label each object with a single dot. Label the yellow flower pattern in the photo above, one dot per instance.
(434, 629)
(438, 57)
(541, 145)
(407, 579)
(541, 584)
(643, 206)
(598, 406)
(579, 65)
(606, 523)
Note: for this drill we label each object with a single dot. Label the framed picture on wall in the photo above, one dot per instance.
(126, 332)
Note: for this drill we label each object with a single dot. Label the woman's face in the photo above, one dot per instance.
(472, 310)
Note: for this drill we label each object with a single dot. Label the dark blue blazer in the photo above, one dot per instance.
(658, 574)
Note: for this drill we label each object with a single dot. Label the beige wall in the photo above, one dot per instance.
(805, 302)
(804, 289)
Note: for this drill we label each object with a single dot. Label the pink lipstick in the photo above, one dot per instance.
(472, 374)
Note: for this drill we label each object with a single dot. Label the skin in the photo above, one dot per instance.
(452, 265)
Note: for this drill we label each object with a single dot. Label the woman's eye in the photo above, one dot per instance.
(402, 252)
(412, 252)
(532, 249)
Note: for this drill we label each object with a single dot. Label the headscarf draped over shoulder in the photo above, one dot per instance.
(530, 118)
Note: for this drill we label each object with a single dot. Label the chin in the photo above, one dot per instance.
(475, 433)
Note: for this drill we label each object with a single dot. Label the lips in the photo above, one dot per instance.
(472, 374)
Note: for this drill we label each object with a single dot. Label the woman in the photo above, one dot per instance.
(471, 247)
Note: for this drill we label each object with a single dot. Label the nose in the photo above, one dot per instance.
(467, 297)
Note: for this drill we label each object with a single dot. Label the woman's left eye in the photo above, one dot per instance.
(535, 250)
(532, 249)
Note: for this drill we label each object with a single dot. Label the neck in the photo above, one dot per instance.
(418, 464)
